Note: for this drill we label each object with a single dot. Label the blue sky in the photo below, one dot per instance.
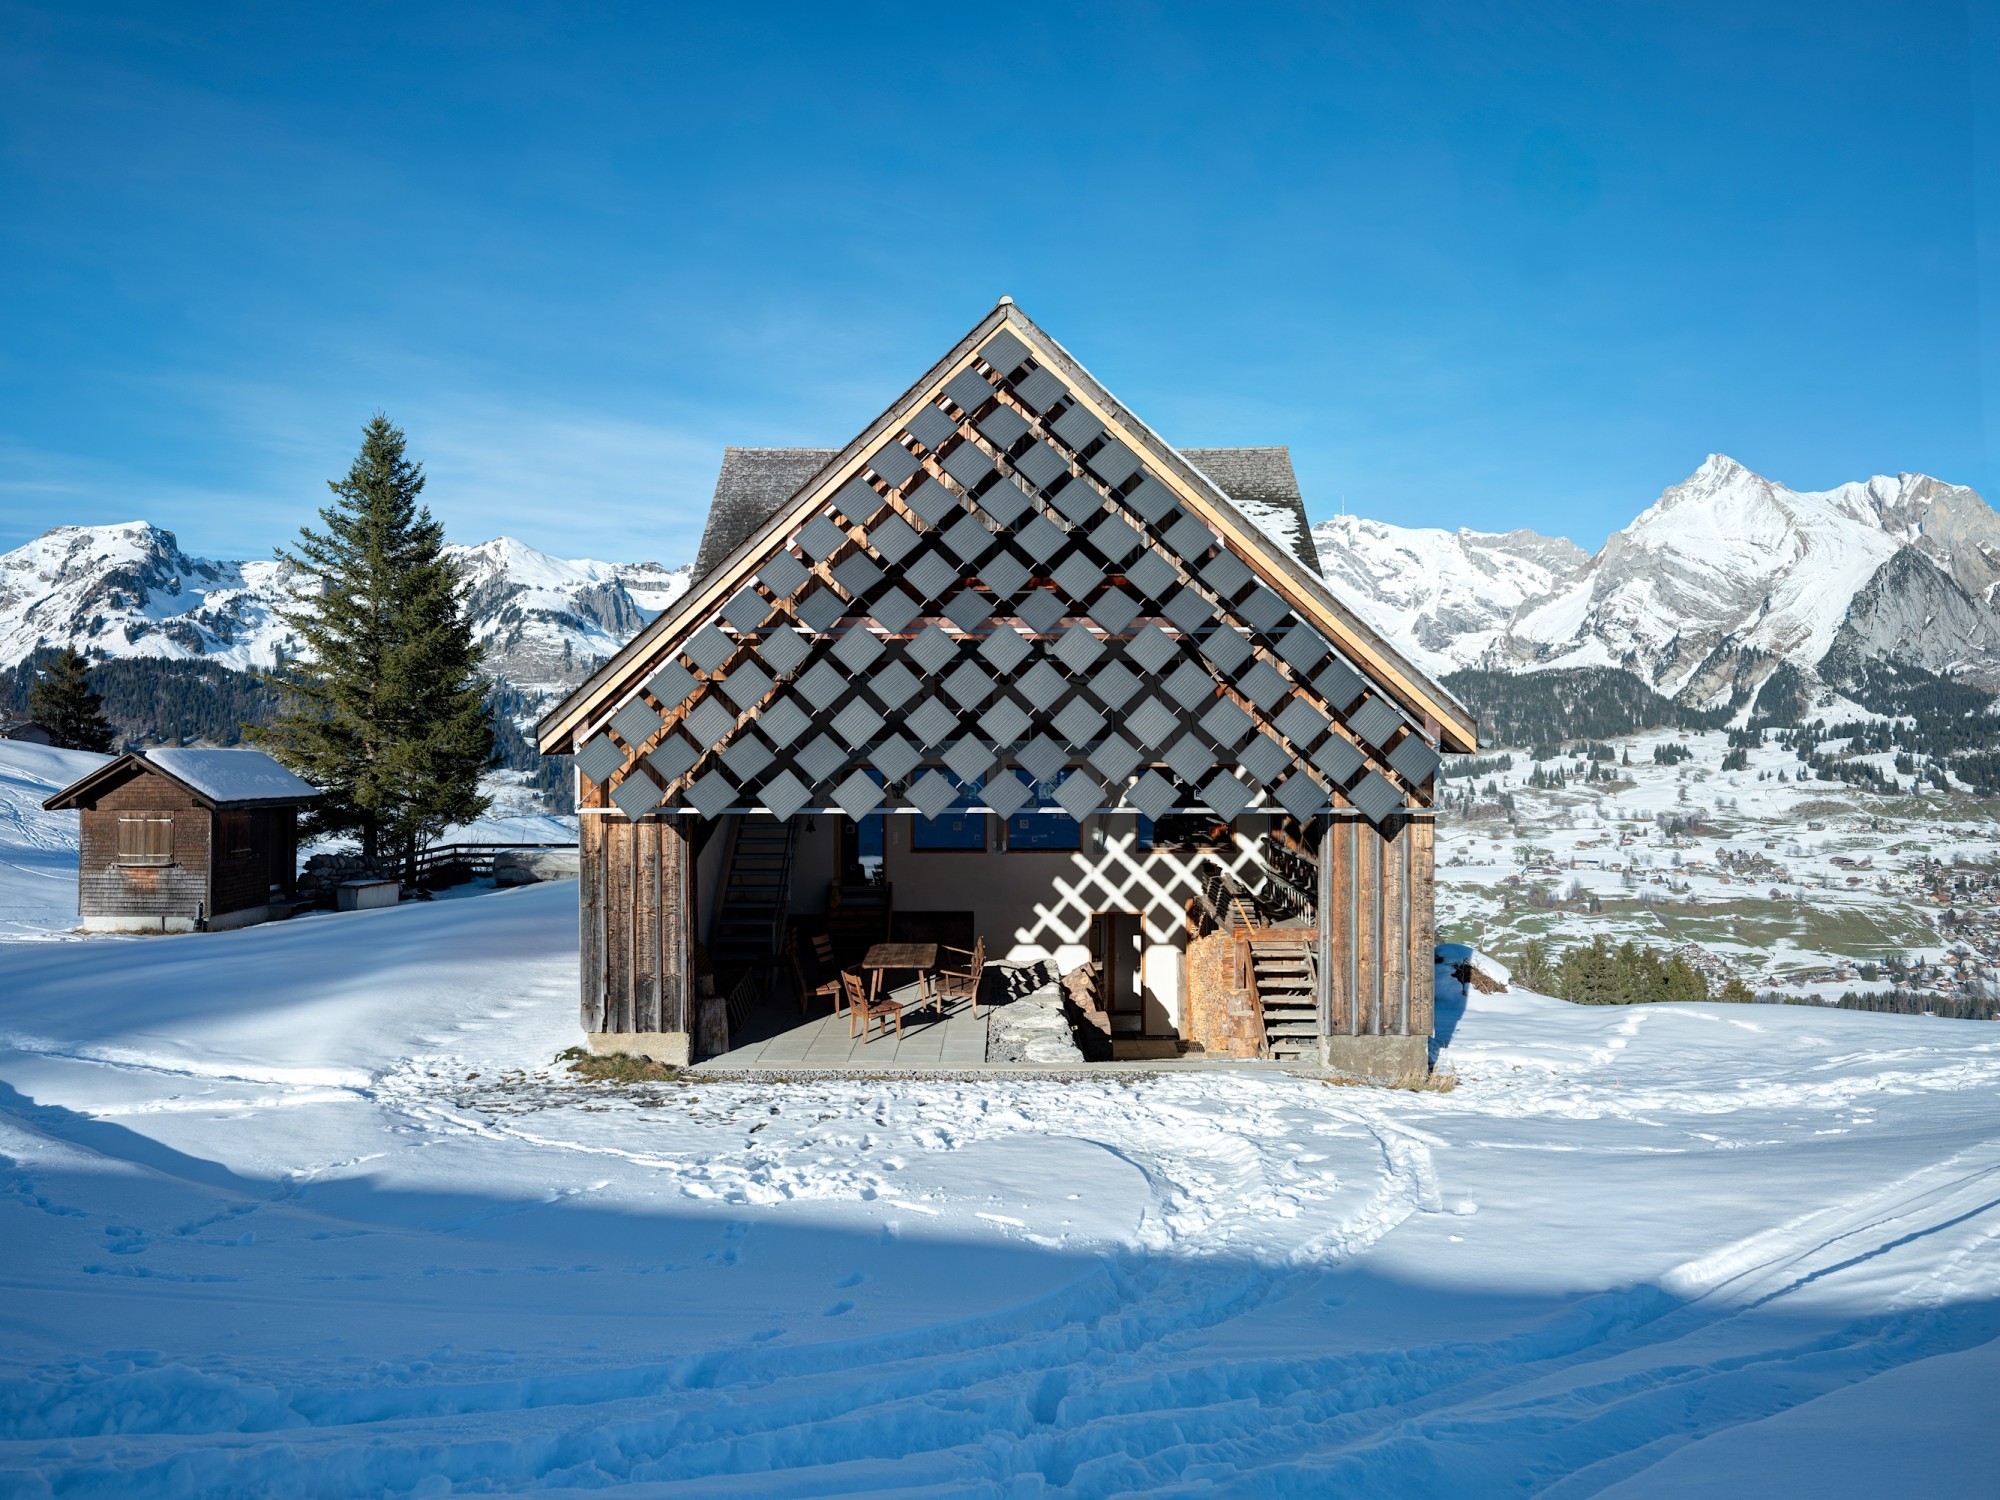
(1485, 265)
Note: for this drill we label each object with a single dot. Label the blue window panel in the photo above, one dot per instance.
(953, 829)
(1039, 830)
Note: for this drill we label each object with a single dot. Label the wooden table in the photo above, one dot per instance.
(921, 957)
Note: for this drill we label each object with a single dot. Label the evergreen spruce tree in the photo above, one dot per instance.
(62, 699)
(385, 710)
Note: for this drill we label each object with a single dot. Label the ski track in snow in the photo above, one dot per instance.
(359, 1237)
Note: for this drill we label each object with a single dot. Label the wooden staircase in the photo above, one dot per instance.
(756, 888)
(1279, 969)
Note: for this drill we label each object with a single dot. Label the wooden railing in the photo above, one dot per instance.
(469, 861)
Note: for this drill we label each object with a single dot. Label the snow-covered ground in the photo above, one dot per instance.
(37, 849)
(305, 1210)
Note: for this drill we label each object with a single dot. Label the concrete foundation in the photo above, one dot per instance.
(672, 1049)
(1379, 1059)
(138, 924)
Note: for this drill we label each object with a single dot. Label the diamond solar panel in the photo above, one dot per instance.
(598, 759)
(746, 610)
(858, 649)
(820, 685)
(968, 686)
(1006, 794)
(896, 757)
(857, 573)
(968, 464)
(708, 721)
(820, 759)
(1376, 797)
(931, 575)
(1076, 576)
(1226, 795)
(1113, 684)
(894, 685)
(931, 427)
(672, 684)
(1152, 575)
(894, 463)
(1301, 723)
(1042, 757)
(747, 685)
(1264, 610)
(1303, 648)
(968, 390)
(932, 793)
(968, 759)
(819, 609)
(1004, 352)
(931, 722)
(1189, 759)
(1301, 796)
(1188, 609)
(784, 794)
(894, 539)
(1039, 390)
(782, 650)
(1076, 648)
(1041, 610)
(747, 756)
(1005, 722)
(635, 723)
(673, 757)
(709, 648)
(1226, 649)
(1116, 758)
(1005, 649)
(932, 649)
(1338, 760)
(1079, 500)
(1225, 723)
(894, 611)
(968, 610)
(1042, 685)
(1114, 463)
(1115, 610)
(1374, 721)
(968, 540)
(1078, 723)
(637, 795)
(857, 499)
(1042, 539)
(1189, 686)
(1004, 502)
(857, 723)
(933, 502)
(1263, 684)
(1340, 683)
(1189, 538)
(1077, 428)
(821, 538)
(1152, 648)
(1116, 538)
(1003, 427)
(1226, 573)
(784, 721)
(711, 795)
(1153, 795)
(1152, 722)
(1005, 575)
(783, 574)
(1151, 499)
(1080, 795)
(1414, 760)
(858, 796)
(1264, 758)
(1042, 465)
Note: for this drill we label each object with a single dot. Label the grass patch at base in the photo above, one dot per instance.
(616, 1067)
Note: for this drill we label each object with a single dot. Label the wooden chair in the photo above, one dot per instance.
(961, 984)
(820, 964)
(861, 1009)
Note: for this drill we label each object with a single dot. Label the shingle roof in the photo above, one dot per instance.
(1261, 482)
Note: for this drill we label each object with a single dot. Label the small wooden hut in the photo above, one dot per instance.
(185, 840)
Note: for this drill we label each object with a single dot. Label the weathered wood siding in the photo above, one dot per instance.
(1377, 928)
(633, 913)
(239, 883)
(106, 888)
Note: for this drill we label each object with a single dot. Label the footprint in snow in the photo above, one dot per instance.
(839, 1308)
(853, 1278)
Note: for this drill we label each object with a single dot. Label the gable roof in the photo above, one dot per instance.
(239, 778)
(760, 472)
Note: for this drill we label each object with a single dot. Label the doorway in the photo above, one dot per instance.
(1118, 947)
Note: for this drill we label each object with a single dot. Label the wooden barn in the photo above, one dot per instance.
(1008, 673)
(185, 840)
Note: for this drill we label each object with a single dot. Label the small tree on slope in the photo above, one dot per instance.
(385, 710)
(61, 698)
